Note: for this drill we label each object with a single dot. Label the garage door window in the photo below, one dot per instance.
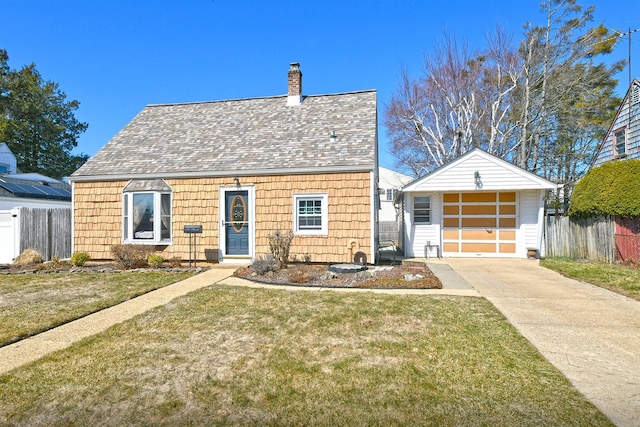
(422, 210)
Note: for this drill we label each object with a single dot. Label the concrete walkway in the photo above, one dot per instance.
(30, 349)
(590, 334)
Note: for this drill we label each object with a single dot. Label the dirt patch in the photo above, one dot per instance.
(375, 277)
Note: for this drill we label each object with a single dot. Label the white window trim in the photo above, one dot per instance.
(413, 210)
(157, 207)
(324, 198)
(616, 153)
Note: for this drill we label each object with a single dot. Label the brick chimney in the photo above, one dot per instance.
(295, 85)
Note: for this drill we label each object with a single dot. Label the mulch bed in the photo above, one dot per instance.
(376, 277)
(90, 267)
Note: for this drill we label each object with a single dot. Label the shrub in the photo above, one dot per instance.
(279, 245)
(175, 262)
(611, 189)
(27, 257)
(155, 261)
(264, 265)
(131, 256)
(78, 259)
(297, 275)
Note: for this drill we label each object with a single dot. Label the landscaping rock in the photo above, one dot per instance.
(413, 277)
(328, 276)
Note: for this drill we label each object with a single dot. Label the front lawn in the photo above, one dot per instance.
(242, 356)
(33, 303)
(616, 278)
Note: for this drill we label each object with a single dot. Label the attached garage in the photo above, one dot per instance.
(476, 206)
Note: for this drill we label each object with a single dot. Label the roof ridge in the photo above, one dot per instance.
(258, 97)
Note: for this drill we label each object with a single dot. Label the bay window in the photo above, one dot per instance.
(146, 212)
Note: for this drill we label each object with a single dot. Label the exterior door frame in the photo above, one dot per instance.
(222, 209)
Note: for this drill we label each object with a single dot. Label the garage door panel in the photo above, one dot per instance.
(451, 197)
(450, 247)
(450, 222)
(451, 234)
(508, 196)
(478, 235)
(479, 222)
(450, 209)
(478, 247)
(507, 222)
(507, 235)
(478, 197)
(507, 248)
(507, 209)
(479, 210)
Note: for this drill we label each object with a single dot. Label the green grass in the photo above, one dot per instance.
(33, 303)
(242, 356)
(617, 278)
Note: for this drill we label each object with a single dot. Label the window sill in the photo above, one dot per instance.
(148, 242)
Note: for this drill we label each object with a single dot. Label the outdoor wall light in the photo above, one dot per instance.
(332, 135)
(236, 181)
(476, 175)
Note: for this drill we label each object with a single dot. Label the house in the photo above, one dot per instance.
(622, 140)
(477, 205)
(389, 183)
(30, 205)
(241, 169)
(389, 212)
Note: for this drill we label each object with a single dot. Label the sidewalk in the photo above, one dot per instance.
(33, 348)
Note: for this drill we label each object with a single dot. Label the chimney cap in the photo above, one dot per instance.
(295, 65)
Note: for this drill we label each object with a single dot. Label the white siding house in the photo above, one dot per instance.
(475, 206)
(390, 182)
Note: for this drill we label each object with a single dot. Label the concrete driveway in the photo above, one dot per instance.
(590, 334)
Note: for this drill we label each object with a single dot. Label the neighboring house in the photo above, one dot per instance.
(389, 184)
(475, 206)
(622, 140)
(242, 169)
(29, 190)
(25, 199)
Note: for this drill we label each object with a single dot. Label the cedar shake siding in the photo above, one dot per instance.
(263, 156)
(98, 214)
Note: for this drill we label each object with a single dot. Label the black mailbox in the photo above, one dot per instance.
(192, 229)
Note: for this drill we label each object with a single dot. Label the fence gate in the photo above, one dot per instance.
(8, 236)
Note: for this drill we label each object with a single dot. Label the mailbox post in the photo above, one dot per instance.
(192, 230)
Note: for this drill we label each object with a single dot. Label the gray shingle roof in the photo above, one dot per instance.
(260, 135)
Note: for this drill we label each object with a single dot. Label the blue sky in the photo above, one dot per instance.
(117, 56)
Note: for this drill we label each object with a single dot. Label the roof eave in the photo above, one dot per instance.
(222, 174)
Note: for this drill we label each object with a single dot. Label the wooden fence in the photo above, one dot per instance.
(46, 230)
(390, 231)
(590, 238)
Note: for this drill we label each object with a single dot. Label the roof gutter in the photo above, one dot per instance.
(220, 174)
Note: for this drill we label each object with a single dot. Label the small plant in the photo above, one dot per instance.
(155, 260)
(264, 265)
(28, 257)
(131, 256)
(175, 262)
(78, 259)
(280, 245)
(298, 275)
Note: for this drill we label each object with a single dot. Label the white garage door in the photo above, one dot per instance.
(479, 223)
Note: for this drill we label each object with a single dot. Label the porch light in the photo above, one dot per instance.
(236, 181)
(332, 135)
